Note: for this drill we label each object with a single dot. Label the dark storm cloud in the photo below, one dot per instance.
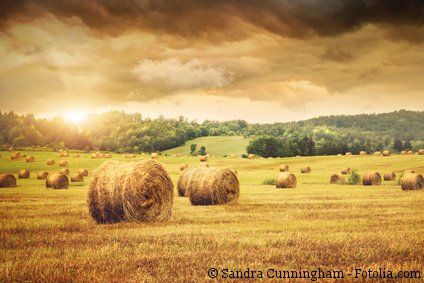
(219, 18)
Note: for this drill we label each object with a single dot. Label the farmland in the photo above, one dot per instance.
(48, 235)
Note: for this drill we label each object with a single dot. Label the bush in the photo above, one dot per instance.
(270, 181)
(354, 178)
(244, 156)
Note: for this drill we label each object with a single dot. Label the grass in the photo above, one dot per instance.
(48, 236)
(218, 146)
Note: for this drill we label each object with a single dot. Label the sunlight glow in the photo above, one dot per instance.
(75, 116)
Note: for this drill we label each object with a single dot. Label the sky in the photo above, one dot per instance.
(261, 61)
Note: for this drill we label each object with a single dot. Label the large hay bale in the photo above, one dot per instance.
(386, 153)
(421, 152)
(183, 167)
(50, 162)
(346, 171)
(284, 168)
(336, 179)
(412, 181)
(154, 155)
(63, 163)
(306, 169)
(42, 175)
(363, 152)
(184, 181)
(203, 158)
(30, 159)
(408, 171)
(15, 155)
(77, 178)
(390, 176)
(7, 181)
(371, 179)
(57, 181)
(251, 156)
(137, 191)
(285, 180)
(377, 153)
(204, 164)
(83, 172)
(211, 186)
(64, 171)
(348, 153)
(23, 174)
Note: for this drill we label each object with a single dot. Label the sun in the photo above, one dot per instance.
(75, 116)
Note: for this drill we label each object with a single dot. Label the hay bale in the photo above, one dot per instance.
(204, 164)
(83, 172)
(184, 181)
(42, 175)
(409, 152)
(371, 179)
(285, 180)
(64, 171)
(203, 158)
(137, 191)
(77, 178)
(23, 174)
(94, 156)
(57, 181)
(386, 153)
(50, 162)
(363, 152)
(154, 155)
(7, 181)
(339, 154)
(346, 171)
(421, 152)
(284, 168)
(30, 159)
(108, 155)
(211, 186)
(348, 153)
(403, 152)
(306, 169)
(377, 153)
(412, 181)
(63, 163)
(336, 179)
(408, 171)
(15, 155)
(76, 156)
(389, 176)
(251, 156)
(183, 167)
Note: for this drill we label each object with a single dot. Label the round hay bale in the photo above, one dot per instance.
(336, 179)
(42, 175)
(203, 158)
(76, 156)
(386, 153)
(83, 172)
(377, 153)
(389, 176)
(7, 181)
(285, 180)
(154, 155)
(348, 153)
(284, 168)
(371, 179)
(346, 171)
(408, 171)
(306, 169)
(403, 152)
(409, 152)
(339, 154)
(138, 191)
(50, 162)
(421, 152)
(412, 181)
(363, 152)
(108, 155)
(251, 156)
(204, 164)
(77, 178)
(57, 181)
(63, 163)
(30, 159)
(211, 186)
(64, 171)
(184, 181)
(183, 167)
(23, 174)
(15, 155)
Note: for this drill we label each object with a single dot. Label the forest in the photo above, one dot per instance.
(123, 132)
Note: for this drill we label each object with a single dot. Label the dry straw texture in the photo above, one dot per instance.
(23, 174)
(42, 175)
(377, 153)
(348, 153)
(306, 169)
(412, 181)
(83, 172)
(64, 171)
(63, 163)
(30, 159)
(421, 151)
(284, 168)
(389, 176)
(77, 178)
(336, 179)
(57, 181)
(211, 186)
(346, 170)
(50, 162)
(184, 181)
(403, 152)
(363, 152)
(7, 181)
(251, 156)
(183, 167)
(204, 164)
(15, 155)
(371, 179)
(137, 191)
(409, 152)
(154, 155)
(386, 153)
(286, 180)
(203, 158)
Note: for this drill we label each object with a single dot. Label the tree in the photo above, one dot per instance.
(202, 150)
(407, 145)
(265, 146)
(397, 145)
(193, 148)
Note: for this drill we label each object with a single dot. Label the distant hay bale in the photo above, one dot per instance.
(63, 163)
(154, 155)
(421, 152)
(50, 162)
(251, 156)
(183, 167)
(203, 158)
(94, 156)
(412, 181)
(7, 181)
(377, 153)
(137, 191)
(184, 181)
(386, 153)
(285, 180)
(390, 176)
(108, 155)
(212, 186)
(57, 181)
(346, 171)
(348, 153)
(42, 175)
(363, 152)
(15, 155)
(83, 172)
(64, 171)
(339, 154)
(371, 179)
(403, 152)
(23, 174)
(306, 169)
(284, 168)
(409, 152)
(76, 156)
(77, 178)
(336, 179)
(30, 159)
